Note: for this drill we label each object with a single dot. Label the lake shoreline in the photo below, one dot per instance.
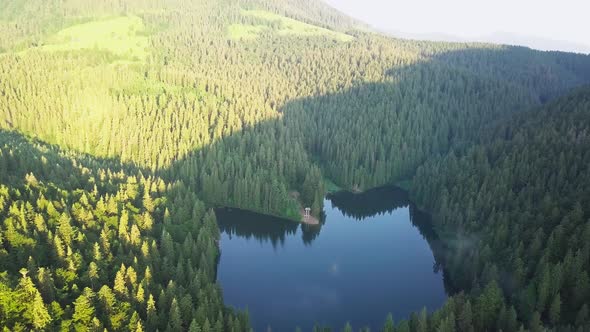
(288, 266)
(332, 189)
(309, 220)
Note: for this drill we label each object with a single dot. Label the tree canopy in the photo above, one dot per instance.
(116, 145)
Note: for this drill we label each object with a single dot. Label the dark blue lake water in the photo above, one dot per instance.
(374, 254)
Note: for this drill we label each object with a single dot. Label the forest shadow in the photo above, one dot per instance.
(264, 228)
(247, 224)
(370, 135)
(41, 152)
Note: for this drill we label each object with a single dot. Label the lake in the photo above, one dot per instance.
(373, 254)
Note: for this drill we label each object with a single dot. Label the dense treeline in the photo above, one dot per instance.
(516, 207)
(196, 105)
(87, 246)
(206, 120)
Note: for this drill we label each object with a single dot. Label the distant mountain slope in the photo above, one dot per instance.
(310, 11)
(535, 42)
(262, 21)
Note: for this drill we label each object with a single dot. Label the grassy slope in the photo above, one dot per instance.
(282, 25)
(119, 35)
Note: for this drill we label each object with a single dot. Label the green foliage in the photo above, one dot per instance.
(113, 220)
(119, 35)
(523, 191)
(77, 254)
(83, 311)
(23, 305)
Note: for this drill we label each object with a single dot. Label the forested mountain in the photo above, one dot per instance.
(517, 206)
(119, 115)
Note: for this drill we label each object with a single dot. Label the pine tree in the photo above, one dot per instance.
(46, 284)
(555, 309)
(93, 273)
(535, 325)
(465, 320)
(39, 313)
(422, 323)
(83, 311)
(123, 223)
(512, 321)
(347, 327)
(194, 326)
(175, 319)
(65, 230)
(139, 327)
(152, 314)
(120, 286)
(35, 314)
(389, 324)
(488, 306)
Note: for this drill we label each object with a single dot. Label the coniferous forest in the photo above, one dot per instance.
(125, 123)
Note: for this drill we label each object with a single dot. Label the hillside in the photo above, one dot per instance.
(193, 90)
(240, 104)
(91, 244)
(522, 193)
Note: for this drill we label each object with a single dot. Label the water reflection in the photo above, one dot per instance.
(373, 253)
(360, 206)
(370, 203)
(383, 200)
(246, 224)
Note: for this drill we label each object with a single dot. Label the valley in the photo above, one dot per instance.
(150, 151)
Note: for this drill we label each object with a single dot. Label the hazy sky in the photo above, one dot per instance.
(544, 24)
